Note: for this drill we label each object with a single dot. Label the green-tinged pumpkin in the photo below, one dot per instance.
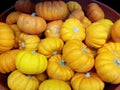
(87, 81)
(54, 84)
(7, 61)
(58, 69)
(78, 56)
(19, 81)
(31, 62)
(107, 63)
(50, 46)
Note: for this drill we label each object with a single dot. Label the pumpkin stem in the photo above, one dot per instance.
(55, 52)
(84, 51)
(57, 31)
(23, 44)
(117, 62)
(29, 76)
(87, 74)
(33, 52)
(33, 14)
(76, 30)
(62, 62)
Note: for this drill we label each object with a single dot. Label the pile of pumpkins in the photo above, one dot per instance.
(55, 45)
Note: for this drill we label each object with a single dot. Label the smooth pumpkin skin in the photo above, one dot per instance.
(54, 84)
(52, 10)
(78, 56)
(31, 62)
(96, 35)
(50, 46)
(107, 63)
(7, 38)
(58, 69)
(31, 24)
(87, 81)
(115, 31)
(28, 42)
(7, 61)
(72, 28)
(53, 28)
(19, 81)
(12, 17)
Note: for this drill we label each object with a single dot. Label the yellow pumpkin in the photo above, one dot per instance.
(7, 61)
(58, 69)
(87, 81)
(7, 38)
(19, 81)
(78, 56)
(107, 63)
(96, 35)
(31, 62)
(28, 42)
(53, 84)
(50, 46)
(72, 28)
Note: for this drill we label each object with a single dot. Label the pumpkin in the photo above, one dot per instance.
(72, 5)
(53, 84)
(25, 6)
(28, 42)
(7, 61)
(53, 28)
(56, 65)
(41, 77)
(51, 10)
(30, 62)
(115, 31)
(107, 62)
(17, 32)
(96, 35)
(12, 17)
(7, 38)
(31, 24)
(72, 28)
(87, 81)
(50, 46)
(19, 81)
(94, 12)
(78, 56)
(77, 13)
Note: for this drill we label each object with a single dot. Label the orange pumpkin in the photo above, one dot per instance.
(115, 31)
(12, 17)
(53, 28)
(87, 81)
(107, 63)
(51, 10)
(31, 24)
(7, 38)
(7, 61)
(56, 65)
(78, 56)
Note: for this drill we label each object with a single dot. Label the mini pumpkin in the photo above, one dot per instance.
(107, 63)
(72, 28)
(53, 28)
(50, 46)
(51, 10)
(53, 84)
(78, 56)
(87, 81)
(115, 31)
(31, 24)
(30, 62)
(56, 65)
(19, 81)
(94, 12)
(28, 42)
(7, 61)
(7, 38)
